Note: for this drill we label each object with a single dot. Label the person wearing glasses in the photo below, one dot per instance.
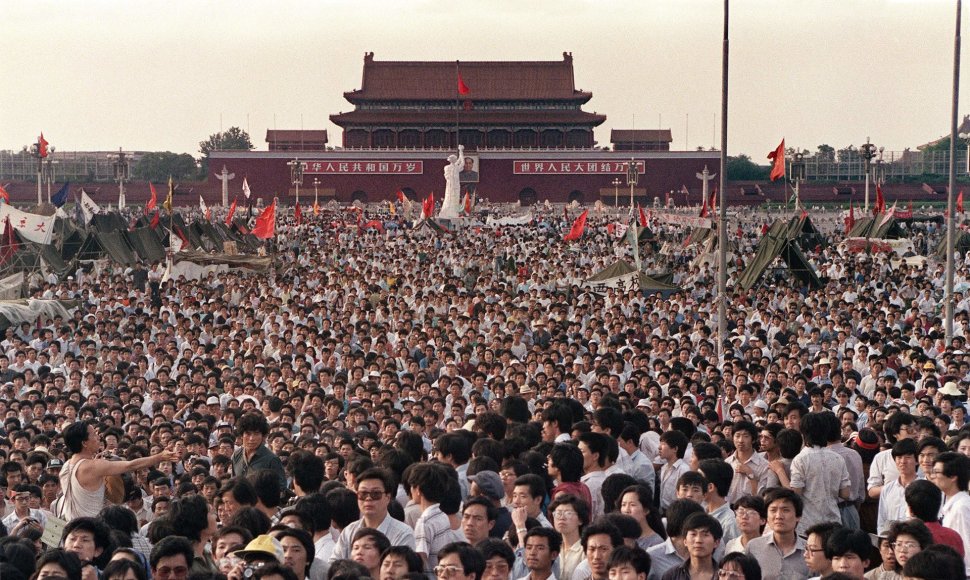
(750, 514)
(459, 561)
(908, 538)
(375, 489)
(815, 538)
(951, 473)
(570, 515)
(739, 566)
(171, 558)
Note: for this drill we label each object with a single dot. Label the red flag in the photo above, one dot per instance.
(154, 223)
(713, 200)
(611, 228)
(153, 201)
(462, 87)
(778, 156)
(42, 145)
(703, 211)
(4, 195)
(804, 214)
(579, 226)
(427, 207)
(8, 245)
(400, 196)
(739, 232)
(232, 211)
(850, 220)
(764, 229)
(265, 227)
(960, 202)
(468, 203)
(298, 214)
(643, 217)
(182, 236)
(880, 206)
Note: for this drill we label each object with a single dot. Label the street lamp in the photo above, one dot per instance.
(49, 171)
(797, 173)
(632, 176)
(966, 137)
(316, 194)
(296, 175)
(616, 192)
(122, 174)
(868, 152)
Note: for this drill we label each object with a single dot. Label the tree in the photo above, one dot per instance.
(741, 168)
(233, 139)
(157, 167)
(826, 152)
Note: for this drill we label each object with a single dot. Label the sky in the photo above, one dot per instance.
(164, 75)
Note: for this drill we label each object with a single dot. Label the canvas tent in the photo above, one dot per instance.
(624, 277)
(962, 245)
(780, 242)
(877, 227)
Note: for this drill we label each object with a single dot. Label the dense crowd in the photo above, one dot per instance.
(406, 402)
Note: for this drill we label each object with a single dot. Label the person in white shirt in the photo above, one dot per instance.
(673, 445)
(951, 473)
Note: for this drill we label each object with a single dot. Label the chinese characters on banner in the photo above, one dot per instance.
(363, 167)
(562, 167)
(30, 226)
(623, 283)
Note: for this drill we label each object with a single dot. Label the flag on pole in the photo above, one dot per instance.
(246, 191)
(169, 202)
(42, 146)
(926, 187)
(4, 195)
(391, 208)
(576, 231)
(889, 214)
(60, 198)
(153, 200)
(778, 156)
(850, 219)
(643, 217)
(880, 205)
(703, 213)
(88, 207)
(298, 214)
(232, 211)
(462, 87)
(713, 200)
(427, 208)
(203, 206)
(468, 203)
(154, 223)
(265, 227)
(960, 202)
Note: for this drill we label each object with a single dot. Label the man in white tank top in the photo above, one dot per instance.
(83, 476)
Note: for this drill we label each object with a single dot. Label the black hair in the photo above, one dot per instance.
(306, 469)
(454, 445)
(924, 500)
(938, 562)
(703, 521)
(955, 464)
(612, 489)
(749, 566)
(569, 460)
(242, 490)
(553, 537)
(914, 528)
(719, 473)
(251, 518)
(119, 517)
(190, 516)
(472, 561)
(314, 508)
(171, 546)
(120, 568)
(379, 538)
(783, 494)
(628, 525)
(677, 440)
(252, 422)
(815, 428)
(634, 557)
(304, 538)
(68, 561)
(491, 547)
(845, 541)
(75, 435)
(409, 556)
(98, 529)
(602, 526)
(343, 506)
(430, 479)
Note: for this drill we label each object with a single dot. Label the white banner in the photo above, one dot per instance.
(622, 283)
(30, 226)
(88, 207)
(685, 220)
(509, 221)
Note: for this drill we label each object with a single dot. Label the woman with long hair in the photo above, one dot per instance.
(635, 501)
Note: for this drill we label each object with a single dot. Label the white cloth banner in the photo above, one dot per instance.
(509, 221)
(624, 283)
(88, 207)
(30, 226)
(685, 220)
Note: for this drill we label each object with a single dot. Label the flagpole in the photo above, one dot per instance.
(950, 203)
(722, 225)
(457, 104)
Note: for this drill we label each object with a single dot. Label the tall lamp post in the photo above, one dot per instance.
(951, 225)
(316, 194)
(49, 171)
(122, 170)
(35, 151)
(966, 138)
(868, 152)
(616, 192)
(632, 177)
(296, 175)
(797, 173)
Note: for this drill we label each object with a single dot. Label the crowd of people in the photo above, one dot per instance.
(411, 403)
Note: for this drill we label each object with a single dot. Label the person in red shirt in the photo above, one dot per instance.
(924, 500)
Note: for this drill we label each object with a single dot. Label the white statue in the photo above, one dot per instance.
(451, 204)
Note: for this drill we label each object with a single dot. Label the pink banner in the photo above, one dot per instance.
(563, 167)
(363, 167)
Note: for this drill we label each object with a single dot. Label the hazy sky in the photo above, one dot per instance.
(163, 75)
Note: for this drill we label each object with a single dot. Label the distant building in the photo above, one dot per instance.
(514, 104)
(296, 139)
(641, 139)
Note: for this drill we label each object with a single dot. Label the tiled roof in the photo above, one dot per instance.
(293, 135)
(486, 80)
(466, 119)
(640, 136)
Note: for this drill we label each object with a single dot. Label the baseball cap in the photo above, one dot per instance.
(490, 483)
(212, 401)
(55, 464)
(262, 545)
